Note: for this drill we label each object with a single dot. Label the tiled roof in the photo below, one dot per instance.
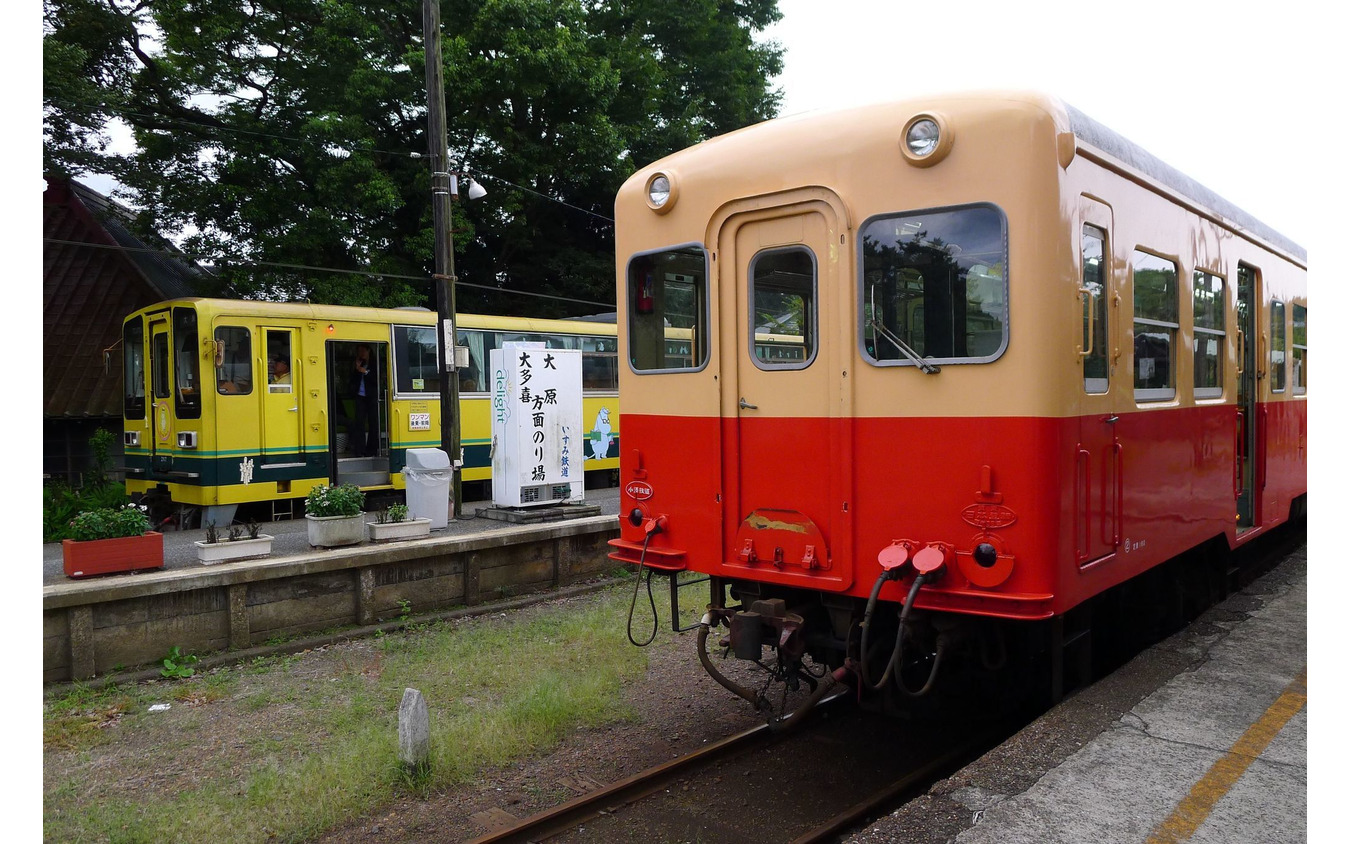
(88, 290)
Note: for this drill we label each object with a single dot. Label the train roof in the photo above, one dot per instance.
(844, 131)
(410, 315)
(1127, 152)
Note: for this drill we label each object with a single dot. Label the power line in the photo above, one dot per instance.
(546, 196)
(349, 148)
(305, 267)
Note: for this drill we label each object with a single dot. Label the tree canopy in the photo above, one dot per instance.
(293, 132)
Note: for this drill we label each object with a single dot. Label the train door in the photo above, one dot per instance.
(1097, 481)
(352, 418)
(787, 457)
(1244, 470)
(282, 422)
(162, 442)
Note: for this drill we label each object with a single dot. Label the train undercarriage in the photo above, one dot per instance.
(783, 650)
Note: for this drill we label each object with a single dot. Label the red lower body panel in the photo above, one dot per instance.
(811, 502)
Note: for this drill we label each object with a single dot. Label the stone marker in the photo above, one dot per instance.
(414, 730)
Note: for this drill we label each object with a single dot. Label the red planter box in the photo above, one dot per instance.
(110, 556)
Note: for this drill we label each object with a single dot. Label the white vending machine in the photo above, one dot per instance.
(538, 444)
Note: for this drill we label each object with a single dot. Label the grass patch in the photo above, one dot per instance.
(291, 747)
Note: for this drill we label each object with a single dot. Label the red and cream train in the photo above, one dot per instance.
(913, 375)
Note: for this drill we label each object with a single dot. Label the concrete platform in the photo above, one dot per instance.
(107, 627)
(1203, 737)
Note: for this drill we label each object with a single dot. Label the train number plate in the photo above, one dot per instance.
(419, 421)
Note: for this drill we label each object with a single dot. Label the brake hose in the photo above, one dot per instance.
(642, 566)
(897, 653)
(896, 657)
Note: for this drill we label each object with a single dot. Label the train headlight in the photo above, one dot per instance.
(926, 140)
(662, 192)
(131, 438)
(922, 137)
(187, 439)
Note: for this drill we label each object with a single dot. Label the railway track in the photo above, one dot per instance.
(840, 769)
(638, 807)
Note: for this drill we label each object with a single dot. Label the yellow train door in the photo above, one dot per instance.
(282, 416)
(162, 441)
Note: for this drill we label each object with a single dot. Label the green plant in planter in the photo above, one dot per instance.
(212, 535)
(340, 500)
(109, 523)
(398, 513)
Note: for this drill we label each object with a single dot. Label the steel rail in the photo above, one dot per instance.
(566, 816)
(861, 811)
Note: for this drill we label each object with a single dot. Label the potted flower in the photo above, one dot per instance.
(111, 540)
(334, 515)
(239, 543)
(397, 523)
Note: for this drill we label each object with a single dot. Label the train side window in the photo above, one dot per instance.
(479, 343)
(1277, 347)
(416, 360)
(599, 364)
(1096, 371)
(783, 308)
(1155, 327)
(1207, 342)
(1300, 350)
(186, 364)
(935, 286)
(667, 293)
(279, 360)
(234, 361)
(133, 369)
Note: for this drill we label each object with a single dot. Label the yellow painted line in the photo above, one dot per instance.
(1224, 774)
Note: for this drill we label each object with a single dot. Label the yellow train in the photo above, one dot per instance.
(233, 402)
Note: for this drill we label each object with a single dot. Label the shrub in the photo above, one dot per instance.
(109, 523)
(398, 512)
(340, 500)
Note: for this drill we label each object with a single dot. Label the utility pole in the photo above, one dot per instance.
(444, 277)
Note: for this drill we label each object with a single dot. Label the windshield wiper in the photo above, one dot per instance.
(924, 366)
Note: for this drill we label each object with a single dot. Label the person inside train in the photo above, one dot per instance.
(280, 371)
(365, 389)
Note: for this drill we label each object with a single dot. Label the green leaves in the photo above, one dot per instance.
(283, 131)
(178, 665)
(341, 500)
(109, 523)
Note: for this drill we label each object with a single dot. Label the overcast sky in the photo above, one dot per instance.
(1221, 91)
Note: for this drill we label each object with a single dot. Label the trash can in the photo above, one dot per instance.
(427, 477)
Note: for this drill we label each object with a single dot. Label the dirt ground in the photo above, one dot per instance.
(677, 707)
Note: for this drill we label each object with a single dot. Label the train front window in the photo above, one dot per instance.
(935, 287)
(133, 369)
(668, 310)
(186, 364)
(1155, 327)
(415, 360)
(783, 309)
(234, 361)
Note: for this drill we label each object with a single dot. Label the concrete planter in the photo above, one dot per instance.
(407, 529)
(111, 556)
(333, 531)
(226, 550)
